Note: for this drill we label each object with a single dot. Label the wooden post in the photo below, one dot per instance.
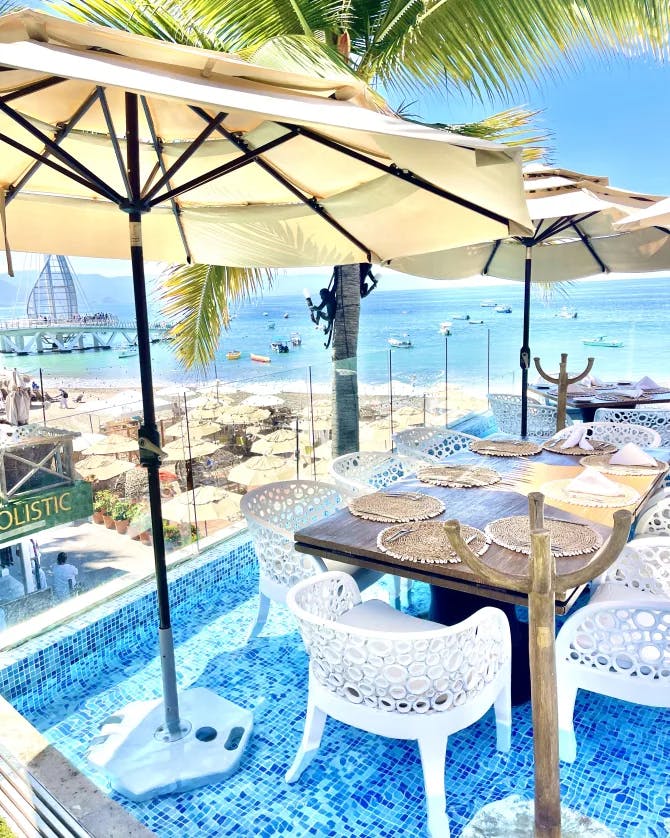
(540, 584)
(562, 382)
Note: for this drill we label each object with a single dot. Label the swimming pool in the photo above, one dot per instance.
(359, 785)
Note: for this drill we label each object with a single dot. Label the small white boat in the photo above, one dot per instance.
(475, 322)
(601, 341)
(279, 346)
(296, 339)
(488, 304)
(285, 315)
(402, 342)
(127, 353)
(567, 313)
(460, 316)
(504, 309)
(445, 327)
(271, 325)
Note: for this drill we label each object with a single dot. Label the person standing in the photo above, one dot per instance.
(64, 577)
(62, 398)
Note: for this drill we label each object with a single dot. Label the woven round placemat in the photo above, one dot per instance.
(602, 463)
(458, 477)
(599, 447)
(557, 490)
(505, 447)
(567, 538)
(427, 543)
(399, 507)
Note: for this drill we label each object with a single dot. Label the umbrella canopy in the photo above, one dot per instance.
(195, 429)
(99, 467)
(112, 444)
(85, 440)
(180, 450)
(575, 235)
(243, 414)
(210, 503)
(282, 441)
(657, 215)
(260, 400)
(256, 471)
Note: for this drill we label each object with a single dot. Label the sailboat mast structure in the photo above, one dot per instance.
(54, 294)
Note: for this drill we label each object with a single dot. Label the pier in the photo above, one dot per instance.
(29, 335)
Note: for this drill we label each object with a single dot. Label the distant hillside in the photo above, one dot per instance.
(99, 292)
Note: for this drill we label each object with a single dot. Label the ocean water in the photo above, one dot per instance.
(635, 311)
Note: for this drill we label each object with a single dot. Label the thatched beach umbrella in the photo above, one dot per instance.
(99, 467)
(256, 471)
(261, 400)
(282, 441)
(205, 503)
(243, 414)
(181, 450)
(112, 444)
(193, 429)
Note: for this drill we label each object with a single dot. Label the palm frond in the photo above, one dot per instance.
(513, 127)
(199, 298)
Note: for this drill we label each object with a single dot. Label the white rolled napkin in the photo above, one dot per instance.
(597, 382)
(577, 438)
(631, 455)
(592, 482)
(630, 393)
(647, 383)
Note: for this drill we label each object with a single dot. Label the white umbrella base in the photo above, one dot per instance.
(513, 817)
(140, 764)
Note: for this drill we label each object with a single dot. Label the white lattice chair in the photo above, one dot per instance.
(659, 494)
(432, 445)
(619, 433)
(388, 673)
(659, 420)
(362, 472)
(616, 648)
(506, 408)
(654, 519)
(642, 570)
(273, 513)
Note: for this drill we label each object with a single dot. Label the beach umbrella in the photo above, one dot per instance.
(85, 440)
(99, 467)
(181, 450)
(210, 409)
(575, 235)
(656, 215)
(260, 400)
(211, 159)
(256, 471)
(112, 444)
(194, 428)
(178, 391)
(205, 503)
(282, 441)
(243, 414)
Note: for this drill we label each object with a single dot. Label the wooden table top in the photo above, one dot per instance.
(578, 400)
(351, 539)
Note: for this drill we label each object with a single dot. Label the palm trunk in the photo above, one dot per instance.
(345, 348)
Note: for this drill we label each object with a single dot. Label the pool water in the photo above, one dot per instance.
(359, 785)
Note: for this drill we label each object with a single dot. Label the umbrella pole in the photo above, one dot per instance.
(44, 410)
(148, 437)
(391, 398)
(524, 355)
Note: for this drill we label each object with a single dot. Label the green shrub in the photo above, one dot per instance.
(103, 501)
(171, 533)
(121, 509)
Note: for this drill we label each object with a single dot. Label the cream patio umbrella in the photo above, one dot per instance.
(194, 429)
(112, 444)
(574, 235)
(259, 470)
(181, 450)
(261, 400)
(100, 467)
(210, 409)
(282, 441)
(212, 159)
(205, 503)
(656, 215)
(243, 414)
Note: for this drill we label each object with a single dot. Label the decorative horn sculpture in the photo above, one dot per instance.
(562, 383)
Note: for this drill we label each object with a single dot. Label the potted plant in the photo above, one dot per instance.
(106, 500)
(120, 514)
(138, 518)
(98, 507)
(172, 534)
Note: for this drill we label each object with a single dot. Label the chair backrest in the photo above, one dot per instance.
(274, 512)
(644, 566)
(622, 432)
(659, 420)
(506, 408)
(366, 471)
(655, 520)
(405, 672)
(431, 444)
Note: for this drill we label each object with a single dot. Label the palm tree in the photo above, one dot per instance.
(402, 48)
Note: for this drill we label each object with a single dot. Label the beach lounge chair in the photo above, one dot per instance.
(385, 672)
(273, 513)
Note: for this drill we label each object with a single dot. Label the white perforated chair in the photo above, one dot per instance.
(273, 513)
(619, 433)
(362, 472)
(506, 409)
(433, 445)
(618, 648)
(655, 518)
(659, 420)
(642, 570)
(385, 672)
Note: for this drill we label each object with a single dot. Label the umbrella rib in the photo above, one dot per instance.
(35, 87)
(587, 244)
(94, 181)
(113, 139)
(252, 155)
(404, 174)
(59, 136)
(158, 148)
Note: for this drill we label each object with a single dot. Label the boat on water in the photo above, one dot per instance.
(488, 304)
(127, 353)
(271, 325)
(296, 339)
(460, 316)
(475, 322)
(504, 309)
(285, 315)
(445, 327)
(400, 342)
(265, 314)
(234, 355)
(567, 313)
(262, 359)
(279, 346)
(602, 340)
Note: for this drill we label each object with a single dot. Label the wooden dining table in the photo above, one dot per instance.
(455, 590)
(590, 399)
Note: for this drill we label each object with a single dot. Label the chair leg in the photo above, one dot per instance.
(503, 712)
(261, 616)
(399, 583)
(567, 743)
(433, 750)
(315, 721)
